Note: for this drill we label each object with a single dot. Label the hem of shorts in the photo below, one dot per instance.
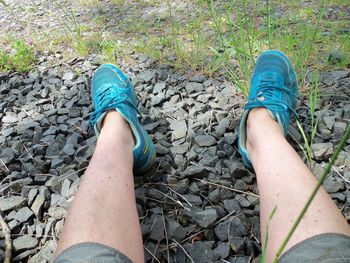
(306, 241)
(92, 244)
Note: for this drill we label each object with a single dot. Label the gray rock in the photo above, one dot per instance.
(200, 252)
(159, 98)
(157, 232)
(193, 199)
(322, 151)
(5, 88)
(232, 205)
(68, 149)
(10, 118)
(68, 76)
(180, 149)
(339, 129)
(192, 87)
(23, 214)
(325, 134)
(214, 196)
(237, 244)
(57, 200)
(175, 230)
(179, 129)
(13, 224)
(223, 250)
(24, 242)
(244, 202)
(158, 88)
(339, 197)
(57, 212)
(25, 254)
(147, 76)
(205, 140)
(330, 78)
(65, 187)
(160, 149)
(37, 205)
(198, 78)
(333, 186)
(7, 156)
(54, 81)
(237, 169)
(346, 109)
(221, 128)
(230, 138)
(329, 121)
(31, 195)
(30, 168)
(52, 149)
(151, 126)
(12, 202)
(205, 218)
(195, 171)
(162, 74)
(240, 185)
(233, 227)
(46, 253)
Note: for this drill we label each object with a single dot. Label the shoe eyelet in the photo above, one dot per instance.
(261, 98)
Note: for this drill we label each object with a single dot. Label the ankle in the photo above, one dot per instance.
(115, 126)
(259, 126)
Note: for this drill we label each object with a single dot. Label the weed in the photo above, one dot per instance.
(264, 251)
(19, 57)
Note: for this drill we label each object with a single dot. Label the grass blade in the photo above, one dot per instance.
(263, 256)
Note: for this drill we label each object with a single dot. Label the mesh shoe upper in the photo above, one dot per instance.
(112, 90)
(273, 86)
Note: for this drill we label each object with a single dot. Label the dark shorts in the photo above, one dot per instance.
(325, 248)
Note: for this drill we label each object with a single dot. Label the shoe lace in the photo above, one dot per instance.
(264, 95)
(111, 97)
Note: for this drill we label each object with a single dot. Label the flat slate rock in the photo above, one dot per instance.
(12, 202)
(24, 242)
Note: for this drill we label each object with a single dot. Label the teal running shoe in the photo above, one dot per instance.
(112, 90)
(273, 86)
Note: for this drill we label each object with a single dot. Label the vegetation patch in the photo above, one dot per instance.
(18, 56)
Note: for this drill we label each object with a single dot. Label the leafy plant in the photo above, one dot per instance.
(19, 57)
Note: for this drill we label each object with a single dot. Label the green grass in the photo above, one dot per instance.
(19, 56)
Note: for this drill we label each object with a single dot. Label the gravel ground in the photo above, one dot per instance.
(199, 190)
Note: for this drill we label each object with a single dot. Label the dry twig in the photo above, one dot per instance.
(166, 236)
(154, 257)
(192, 261)
(7, 169)
(8, 242)
(228, 188)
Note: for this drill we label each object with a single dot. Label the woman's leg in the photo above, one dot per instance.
(104, 209)
(286, 183)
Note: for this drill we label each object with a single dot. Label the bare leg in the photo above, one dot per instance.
(285, 181)
(104, 209)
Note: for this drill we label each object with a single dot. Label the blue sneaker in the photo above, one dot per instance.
(273, 86)
(111, 89)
